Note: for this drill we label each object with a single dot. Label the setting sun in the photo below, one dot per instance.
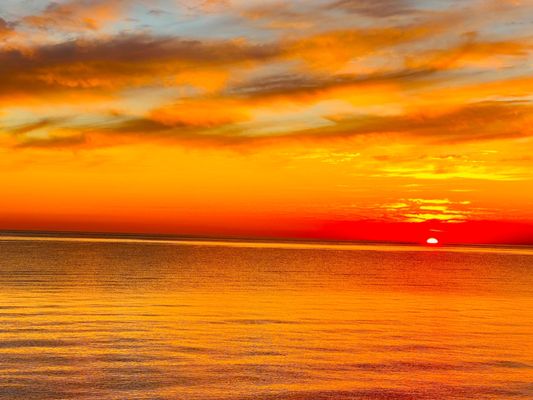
(432, 240)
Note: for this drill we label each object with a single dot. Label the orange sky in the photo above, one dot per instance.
(367, 120)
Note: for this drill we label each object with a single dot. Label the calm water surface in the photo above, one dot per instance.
(103, 320)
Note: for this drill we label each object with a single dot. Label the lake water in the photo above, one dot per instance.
(148, 320)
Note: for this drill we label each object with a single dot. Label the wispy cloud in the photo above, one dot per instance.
(76, 15)
(373, 8)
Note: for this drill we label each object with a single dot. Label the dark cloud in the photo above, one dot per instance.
(136, 60)
(121, 60)
(135, 49)
(143, 59)
(279, 11)
(128, 60)
(54, 142)
(294, 86)
(149, 128)
(135, 129)
(374, 8)
(33, 126)
(474, 122)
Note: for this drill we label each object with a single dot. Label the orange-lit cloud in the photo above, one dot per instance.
(76, 15)
(374, 8)
(6, 29)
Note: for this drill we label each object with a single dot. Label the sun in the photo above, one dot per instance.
(432, 240)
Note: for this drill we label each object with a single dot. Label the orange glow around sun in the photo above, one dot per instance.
(243, 124)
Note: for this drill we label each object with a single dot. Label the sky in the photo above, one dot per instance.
(389, 120)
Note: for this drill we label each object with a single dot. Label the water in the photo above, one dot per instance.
(134, 320)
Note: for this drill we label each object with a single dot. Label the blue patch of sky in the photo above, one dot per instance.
(12, 10)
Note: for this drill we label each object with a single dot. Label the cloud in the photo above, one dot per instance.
(385, 78)
(24, 129)
(420, 210)
(120, 61)
(204, 6)
(316, 16)
(315, 87)
(127, 130)
(6, 29)
(472, 52)
(203, 113)
(106, 65)
(373, 8)
(141, 59)
(221, 122)
(109, 64)
(280, 15)
(481, 121)
(333, 50)
(77, 15)
(70, 141)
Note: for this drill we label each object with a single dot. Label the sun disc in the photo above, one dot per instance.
(432, 240)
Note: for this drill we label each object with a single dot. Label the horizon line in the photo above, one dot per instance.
(175, 236)
(279, 243)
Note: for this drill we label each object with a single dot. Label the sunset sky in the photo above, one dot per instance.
(325, 119)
